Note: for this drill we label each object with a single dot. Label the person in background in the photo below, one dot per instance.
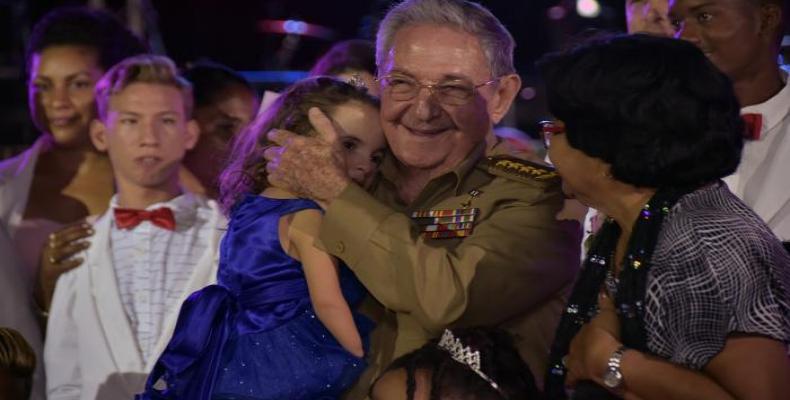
(281, 323)
(225, 103)
(685, 292)
(742, 38)
(648, 16)
(47, 191)
(472, 364)
(450, 236)
(352, 61)
(17, 363)
(113, 316)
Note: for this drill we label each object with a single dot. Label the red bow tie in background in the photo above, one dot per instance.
(754, 126)
(127, 218)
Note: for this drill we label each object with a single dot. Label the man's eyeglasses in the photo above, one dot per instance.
(451, 93)
(549, 129)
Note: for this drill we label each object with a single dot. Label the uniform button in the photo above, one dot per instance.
(340, 247)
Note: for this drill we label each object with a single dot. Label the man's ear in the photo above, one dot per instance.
(98, 134)
(192, 134)
(506, 91)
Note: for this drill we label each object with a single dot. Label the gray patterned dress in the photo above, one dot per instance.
(717, 269)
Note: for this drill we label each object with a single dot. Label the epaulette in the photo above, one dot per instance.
(520, 170)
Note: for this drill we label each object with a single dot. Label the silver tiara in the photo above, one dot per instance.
(464, 355)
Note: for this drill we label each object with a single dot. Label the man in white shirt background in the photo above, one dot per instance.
(111, 318)
(743, 37)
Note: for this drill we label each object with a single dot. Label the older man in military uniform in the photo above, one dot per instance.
(450, 235)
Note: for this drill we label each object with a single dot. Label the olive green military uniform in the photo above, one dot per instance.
(512, 271)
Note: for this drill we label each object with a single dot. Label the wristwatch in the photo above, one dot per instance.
(613, 378)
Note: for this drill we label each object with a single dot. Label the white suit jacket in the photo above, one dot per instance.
(91, 352)
(16, 177)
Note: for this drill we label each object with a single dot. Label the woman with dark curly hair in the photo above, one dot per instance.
(685, 291)
(47, 191)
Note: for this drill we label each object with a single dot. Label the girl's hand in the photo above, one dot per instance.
(592, 347)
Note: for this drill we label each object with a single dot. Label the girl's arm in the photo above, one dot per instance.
(320, 269)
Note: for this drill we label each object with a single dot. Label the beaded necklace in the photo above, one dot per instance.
(628, 291)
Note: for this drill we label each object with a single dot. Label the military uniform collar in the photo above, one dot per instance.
(389, 169)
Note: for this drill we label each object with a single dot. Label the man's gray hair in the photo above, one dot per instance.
(495, 40)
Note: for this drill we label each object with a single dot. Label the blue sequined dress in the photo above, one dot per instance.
(255, 335)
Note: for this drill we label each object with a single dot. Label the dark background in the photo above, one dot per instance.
(228, 31)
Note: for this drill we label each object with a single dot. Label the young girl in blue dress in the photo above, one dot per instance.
(280, 322)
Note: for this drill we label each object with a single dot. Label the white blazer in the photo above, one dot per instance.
(91, 352)
(16, 177)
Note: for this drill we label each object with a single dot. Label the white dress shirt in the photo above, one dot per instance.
(153, 265)
(762, 180)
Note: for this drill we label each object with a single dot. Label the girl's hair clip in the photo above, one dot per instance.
(356, 81)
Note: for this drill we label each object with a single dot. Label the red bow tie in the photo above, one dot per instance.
(127, 218)
(754, 126)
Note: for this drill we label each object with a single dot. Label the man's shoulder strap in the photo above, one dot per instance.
(520, 170)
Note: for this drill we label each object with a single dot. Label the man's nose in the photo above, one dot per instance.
(149, 133)
(426, 105)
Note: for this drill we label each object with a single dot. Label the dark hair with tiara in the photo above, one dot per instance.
(245, 171)
(508, 375)
(83, 26)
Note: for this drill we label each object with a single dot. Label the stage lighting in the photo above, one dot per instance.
(588, 8)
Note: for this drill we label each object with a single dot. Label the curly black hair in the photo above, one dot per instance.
(655, 109)
(499, 360)
(83, 26)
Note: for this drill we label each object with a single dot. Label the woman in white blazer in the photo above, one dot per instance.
(61, 179)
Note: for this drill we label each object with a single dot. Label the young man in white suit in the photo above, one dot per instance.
(111, 318)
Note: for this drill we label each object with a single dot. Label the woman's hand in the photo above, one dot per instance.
(592, 347)
(56, 258)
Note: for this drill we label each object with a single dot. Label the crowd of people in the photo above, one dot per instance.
(366, 234)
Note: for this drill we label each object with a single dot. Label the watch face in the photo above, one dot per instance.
(612, 378)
